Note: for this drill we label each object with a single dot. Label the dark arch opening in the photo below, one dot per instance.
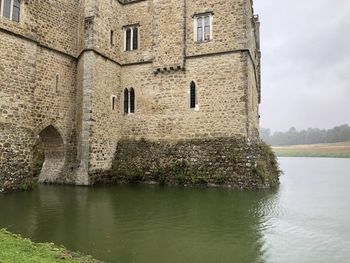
(54, 151)
(132, 100)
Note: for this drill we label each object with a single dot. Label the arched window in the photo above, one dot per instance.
(193, 98)
(132, 100)
(126, 101)
(114, 100)
(10, 9)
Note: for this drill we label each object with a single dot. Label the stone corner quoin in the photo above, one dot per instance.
(85, 83)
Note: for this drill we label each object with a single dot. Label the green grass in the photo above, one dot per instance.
(328, 150)
(16, 249)
(308, 153)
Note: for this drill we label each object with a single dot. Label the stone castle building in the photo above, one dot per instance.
(84, 75)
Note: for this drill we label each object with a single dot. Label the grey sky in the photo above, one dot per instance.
(305, 63)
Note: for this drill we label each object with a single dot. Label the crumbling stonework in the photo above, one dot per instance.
(65, 62)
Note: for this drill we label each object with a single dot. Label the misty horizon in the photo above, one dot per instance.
(302, 129)
(305, 62)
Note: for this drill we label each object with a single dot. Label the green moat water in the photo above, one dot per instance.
(307, 219)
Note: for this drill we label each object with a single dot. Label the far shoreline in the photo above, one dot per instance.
(327, 150)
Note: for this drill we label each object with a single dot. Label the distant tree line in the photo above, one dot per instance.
(310, 136)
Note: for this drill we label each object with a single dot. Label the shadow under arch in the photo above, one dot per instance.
(55, 154)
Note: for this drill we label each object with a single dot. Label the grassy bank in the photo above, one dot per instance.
(331, 150)
(15, 249)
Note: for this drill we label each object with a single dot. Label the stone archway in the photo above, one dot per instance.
(55, 155)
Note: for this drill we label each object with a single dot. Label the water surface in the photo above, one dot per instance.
(307, 219)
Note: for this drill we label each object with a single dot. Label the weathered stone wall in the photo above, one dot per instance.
(54, 105)
(168, 34)
(59, 71)
(51, 23)
(115, 17)
(105, 122)
(17, 73)
(55, 91)
(57, 24)
(38, 89)
(15, 157)
(252, 100)
(229, 26)
(162, 101)
(234, 162)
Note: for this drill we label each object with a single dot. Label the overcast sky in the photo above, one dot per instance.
(305, 63)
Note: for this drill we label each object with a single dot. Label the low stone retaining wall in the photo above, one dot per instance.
(233, 162)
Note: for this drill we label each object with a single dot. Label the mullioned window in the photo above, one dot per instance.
(131, 38)
(129, 101)
(10, 9)
(203, 27)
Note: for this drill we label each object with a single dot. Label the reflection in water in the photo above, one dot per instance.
(142, 223)
(302, 221)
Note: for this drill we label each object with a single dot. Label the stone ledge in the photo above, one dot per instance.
(126, 2)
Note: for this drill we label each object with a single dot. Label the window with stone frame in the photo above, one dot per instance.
(203, 27)
(193, 95)
(132, 100)
(111, 38)
(114, 102)
(129, 101)
(131, 38)
(10, 9)
(126, 101)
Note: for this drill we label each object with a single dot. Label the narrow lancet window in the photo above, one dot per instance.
(113, 102)
(132, 100)
(111, 38)
(193, 99)
(126, 101)
(57, 82)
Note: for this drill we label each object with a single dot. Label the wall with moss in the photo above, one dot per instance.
(15, 157)
(234, 162)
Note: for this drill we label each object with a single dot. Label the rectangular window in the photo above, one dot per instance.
(10, 9)
(6, 12)
(135, 38)
(128, 39)
(15, 11)
(131, 38)
(207, 28)
(199, 29)
(203, 27)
